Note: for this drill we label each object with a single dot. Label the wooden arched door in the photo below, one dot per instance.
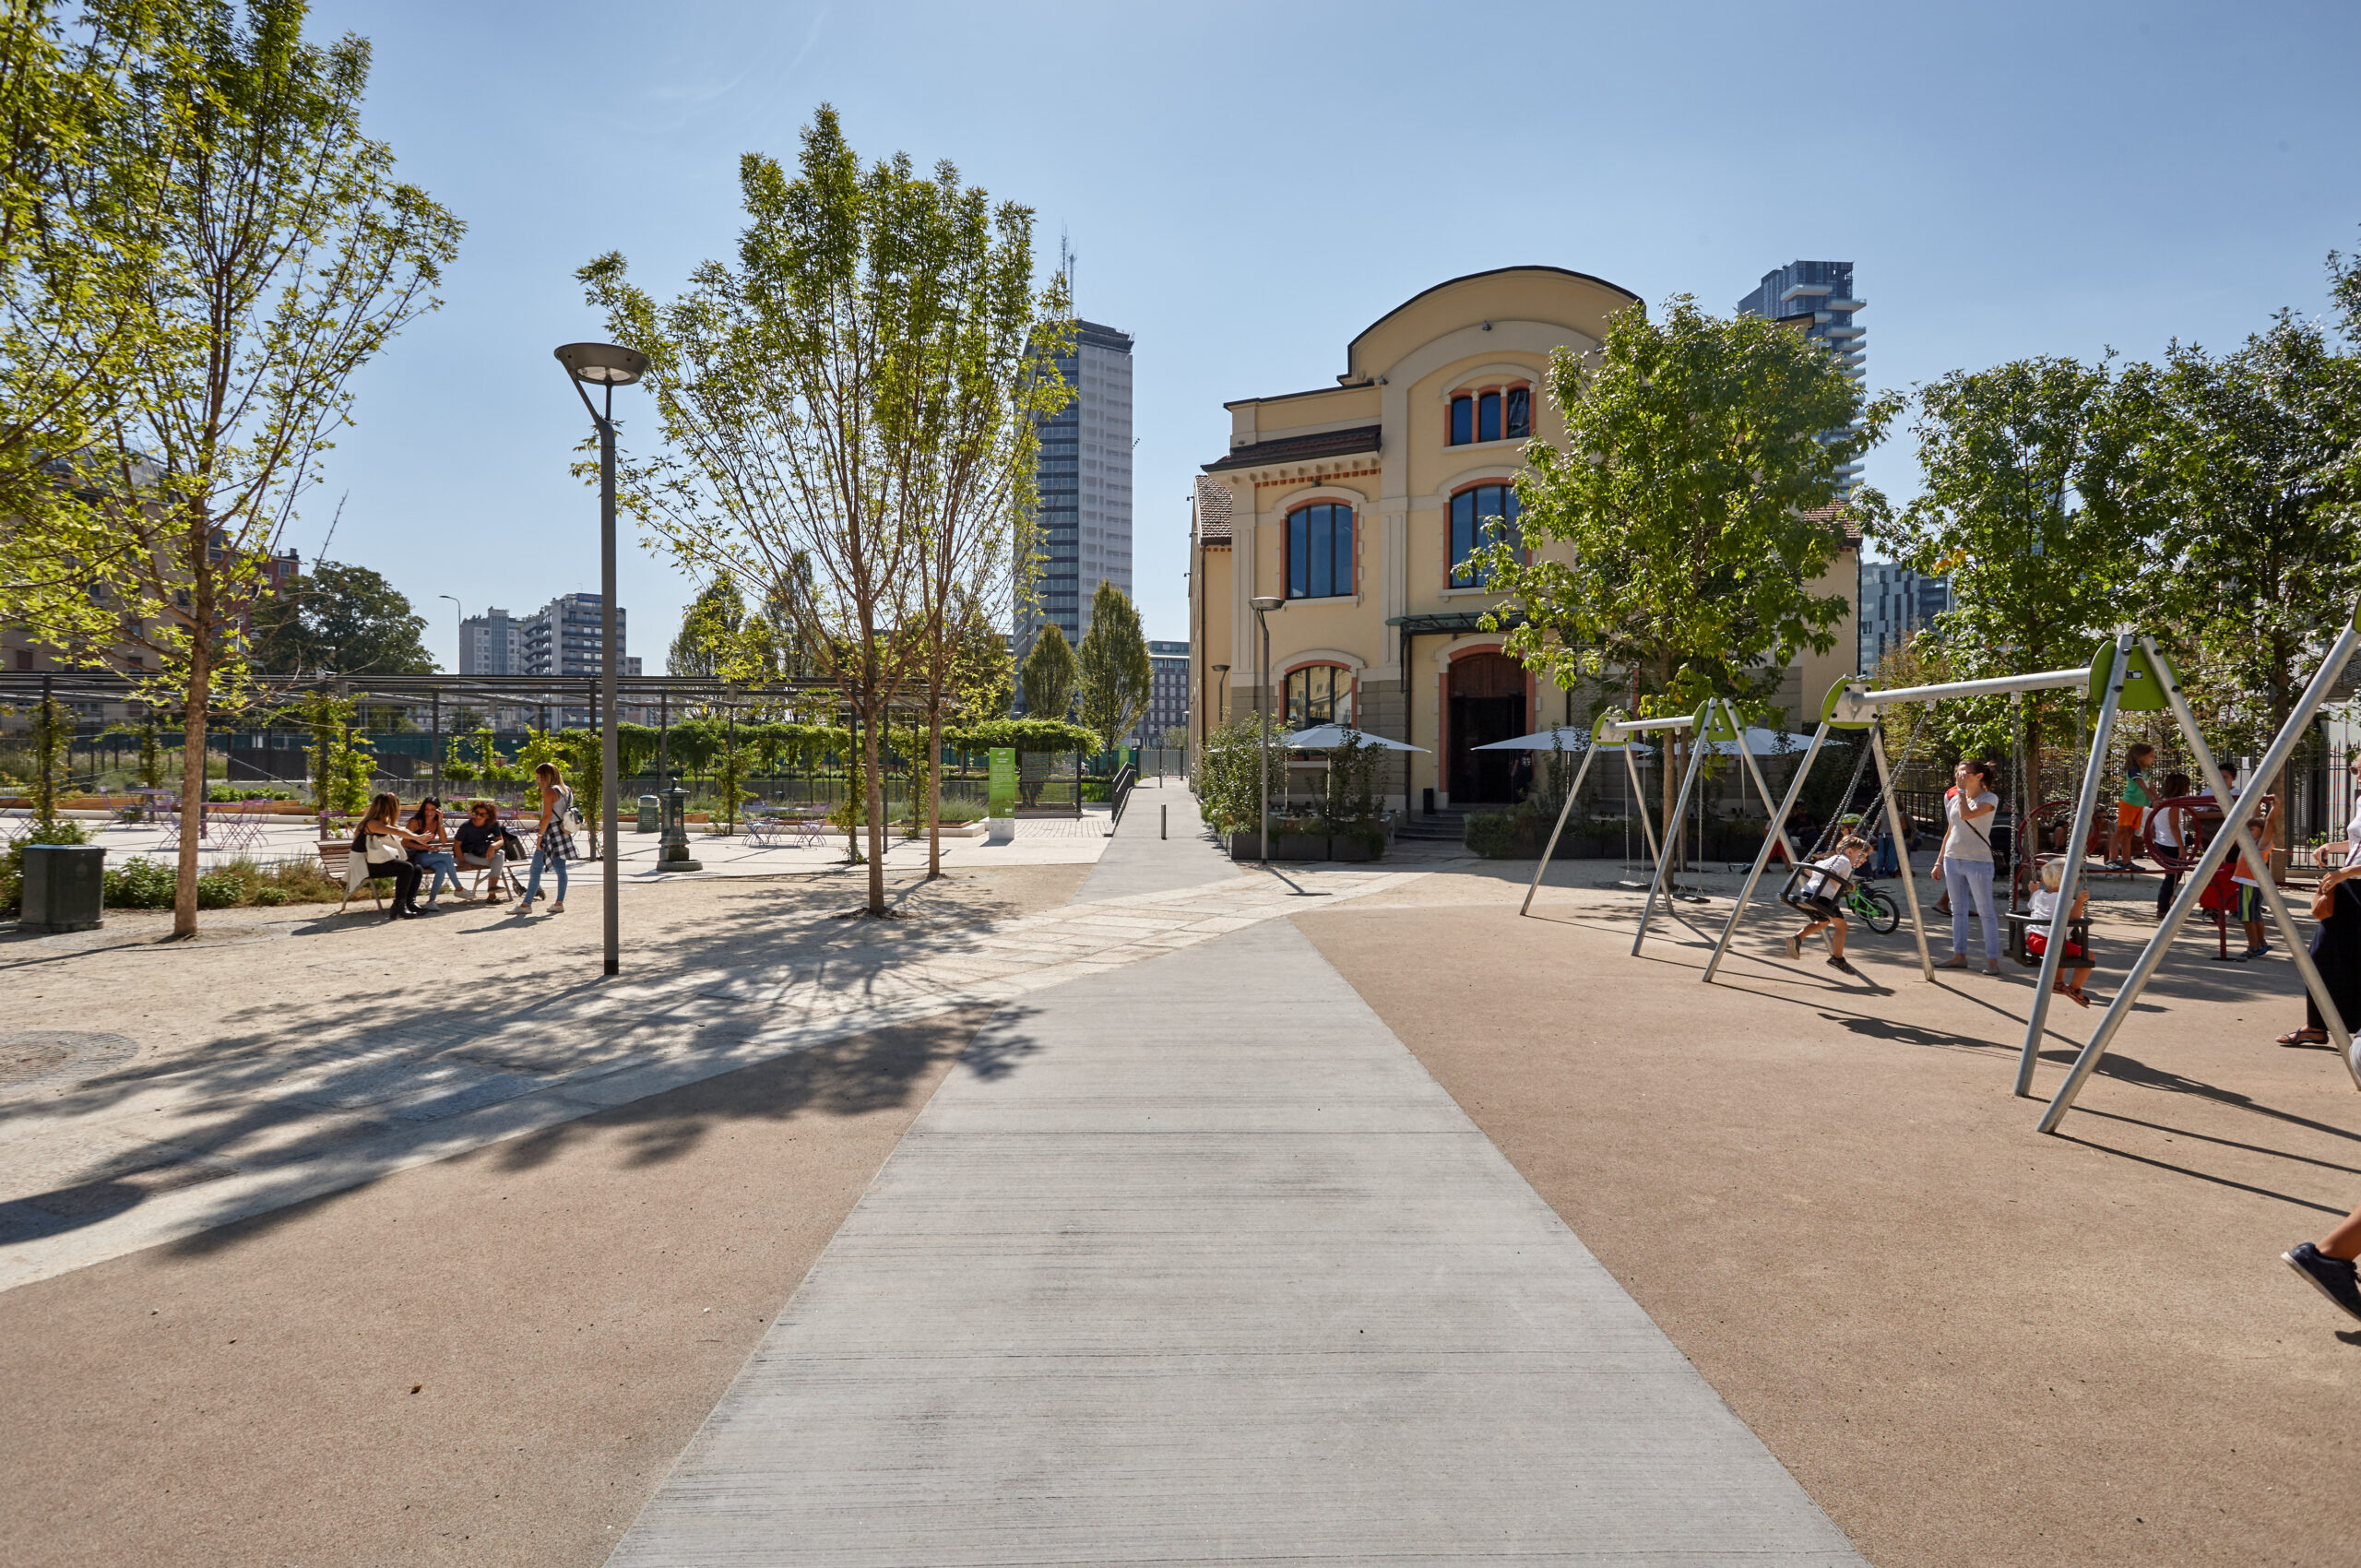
(1487, 693)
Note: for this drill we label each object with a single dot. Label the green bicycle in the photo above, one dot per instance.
(1873, 906)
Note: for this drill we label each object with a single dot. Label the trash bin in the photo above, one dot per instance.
(650, 808)
(65, 888)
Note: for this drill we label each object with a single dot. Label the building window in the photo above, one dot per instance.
(1320, 552)
(1473, 513)
(1320, 693)
(1493, 414)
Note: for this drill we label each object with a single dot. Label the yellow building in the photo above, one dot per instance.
(1359, 504)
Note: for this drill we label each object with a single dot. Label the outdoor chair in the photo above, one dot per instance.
(340, 861)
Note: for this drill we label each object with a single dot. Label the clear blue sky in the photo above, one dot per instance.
(1248, 186)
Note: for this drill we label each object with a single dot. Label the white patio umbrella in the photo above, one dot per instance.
(1328, 737)
(1565, 737)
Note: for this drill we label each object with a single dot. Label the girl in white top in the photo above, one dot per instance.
(1964, 862)
(1824, 890)
(2075, 967)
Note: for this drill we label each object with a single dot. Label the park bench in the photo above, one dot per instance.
(335, 859)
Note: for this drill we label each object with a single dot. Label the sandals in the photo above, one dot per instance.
(2304, 1036)
(2073, 991)
(1956, 961)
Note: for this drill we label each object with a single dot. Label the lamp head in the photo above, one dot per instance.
(603, 364)
(1268, 601)
(1224, 670)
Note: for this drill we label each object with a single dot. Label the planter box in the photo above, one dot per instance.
(63, 888)
(1298, 846)
(1246, 846)
(1343, 848)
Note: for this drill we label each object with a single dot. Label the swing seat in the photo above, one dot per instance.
(2021, 926)
(1829, 900)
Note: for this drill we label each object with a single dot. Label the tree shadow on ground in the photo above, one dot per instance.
(287, 1085)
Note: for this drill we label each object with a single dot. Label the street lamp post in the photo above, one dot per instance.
(1262, 608)
(607, 366)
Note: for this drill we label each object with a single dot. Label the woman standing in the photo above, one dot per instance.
(555, 846)
(385, 844)
(1963, 864)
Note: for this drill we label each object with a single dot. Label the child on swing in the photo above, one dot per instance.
(2077, 966)
(1821, 895)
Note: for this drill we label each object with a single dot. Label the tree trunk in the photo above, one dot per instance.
(934, 792)
(200, 677)
(874, 791)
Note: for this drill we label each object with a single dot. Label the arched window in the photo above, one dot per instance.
(1320, 551)
(1473, 513)
(1491, 414)
(1320, 693)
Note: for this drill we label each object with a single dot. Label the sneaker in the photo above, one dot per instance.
(1837, 961)
(557, 906)
(2331, 1276)
(1795, 946)
(2256, 952)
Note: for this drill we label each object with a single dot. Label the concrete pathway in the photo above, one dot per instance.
(1161, 845)
(1192, 1262)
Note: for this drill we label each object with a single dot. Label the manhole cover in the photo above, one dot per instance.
(33, 1056)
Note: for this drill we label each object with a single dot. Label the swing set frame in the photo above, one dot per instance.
(2129, 673)
(1716, 720)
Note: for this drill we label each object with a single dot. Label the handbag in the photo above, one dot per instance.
(385, 851)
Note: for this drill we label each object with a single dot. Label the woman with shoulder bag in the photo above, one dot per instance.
(1963, 865)
(556, 843)
(385, 843)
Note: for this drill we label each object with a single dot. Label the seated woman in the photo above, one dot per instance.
(2075, 967)
(478, 847)
(386, 843)
(427, 823)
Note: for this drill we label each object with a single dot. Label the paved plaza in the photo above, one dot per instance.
(1140, 1206)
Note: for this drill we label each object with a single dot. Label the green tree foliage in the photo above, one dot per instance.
(710, 629)
(2261, 448)
(1232, 766)
(340, 620)
(2034, 473)
(1049, 675)
(1113, 671)
(816, 400)
(80, 190)
(285, 256)
(1693, 499)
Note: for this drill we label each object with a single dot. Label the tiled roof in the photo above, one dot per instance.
(1299, 448)
(1213, 512)
(1837, 512)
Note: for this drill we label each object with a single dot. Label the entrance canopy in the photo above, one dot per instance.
(1329, 737)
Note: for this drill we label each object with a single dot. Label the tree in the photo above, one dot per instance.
(1695, 491)
(807, 416)
(80, 195)
(286, 257)
(2262, 453)
(1049, 675)
(341, 620)
(710, 627)
(1114, 672)
(2033, 473)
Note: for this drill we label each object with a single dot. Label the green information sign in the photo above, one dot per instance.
(1002, 792)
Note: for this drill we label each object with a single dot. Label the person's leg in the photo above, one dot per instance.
(2327, 1265)
(1980, 888)
(1955, 884)
(533, 879)
(1837, 928)
(2164, 893)
(405, 887)
(559, 902)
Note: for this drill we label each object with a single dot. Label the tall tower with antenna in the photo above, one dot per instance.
(1082, 477)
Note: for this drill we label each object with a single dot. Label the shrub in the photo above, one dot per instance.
(216, 891)
(271, 896)
(140, 883)
(1493, 835)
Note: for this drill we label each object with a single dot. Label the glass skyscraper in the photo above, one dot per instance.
(1818, 294)
(1085, 480)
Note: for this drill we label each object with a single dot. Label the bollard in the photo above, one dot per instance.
(1163, 820)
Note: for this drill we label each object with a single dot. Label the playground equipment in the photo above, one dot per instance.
(2235, 832)
(2127, 675)
(1716, 720)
